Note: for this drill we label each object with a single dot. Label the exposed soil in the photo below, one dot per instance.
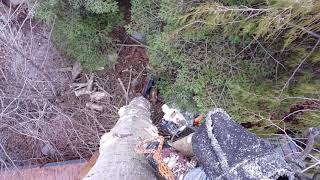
(45, 112)
(29, 81)
(130, 69)
(135, 58)
(40, 107)
(298, 109)
(125, 7)
(132, 60)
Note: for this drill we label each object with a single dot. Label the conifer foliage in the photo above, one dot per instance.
(258, 59)
(82, 27)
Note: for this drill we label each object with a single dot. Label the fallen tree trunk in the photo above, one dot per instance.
(117, 159)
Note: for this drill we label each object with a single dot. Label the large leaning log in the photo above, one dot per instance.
(117, 159)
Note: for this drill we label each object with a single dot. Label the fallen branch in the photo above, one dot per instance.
(83, 88)
(94, 106)
(90, 82)
(76, 70)
(82, 91)
(124, 90)
(99, 95)
(129, 83)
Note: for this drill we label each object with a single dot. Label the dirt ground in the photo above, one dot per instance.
(130, 70)
(41, 118)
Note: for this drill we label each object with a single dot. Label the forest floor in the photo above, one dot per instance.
(42, 120)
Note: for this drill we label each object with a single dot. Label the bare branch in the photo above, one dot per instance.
(298, 67)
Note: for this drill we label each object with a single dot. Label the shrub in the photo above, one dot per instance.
(239, 55)
(82, 27)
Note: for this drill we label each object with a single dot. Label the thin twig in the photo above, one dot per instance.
(124, 90)
(140, 73)
(278, 62)
(90, 82)
(131, 45)
(283, 130)
(298, 111)
(129, 83)
(310, 167)
(298, 67)
(306, 30)
(49, 44)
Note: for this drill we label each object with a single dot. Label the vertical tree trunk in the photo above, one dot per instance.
(117, 159)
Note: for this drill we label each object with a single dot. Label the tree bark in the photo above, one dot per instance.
(117, 159)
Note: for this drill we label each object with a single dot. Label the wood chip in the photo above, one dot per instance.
(76, 70)
(94, 106)
(98, 95)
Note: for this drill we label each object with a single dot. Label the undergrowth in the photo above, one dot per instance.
(81, 28)
(257, 59)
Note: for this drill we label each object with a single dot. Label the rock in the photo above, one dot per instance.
(48, 150)
(134, 82)
(138, 36)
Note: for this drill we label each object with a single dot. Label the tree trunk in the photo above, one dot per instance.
(117, 159)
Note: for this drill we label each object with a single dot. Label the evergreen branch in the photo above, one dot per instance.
(278, 62)
(295, 71)
(306, 30)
